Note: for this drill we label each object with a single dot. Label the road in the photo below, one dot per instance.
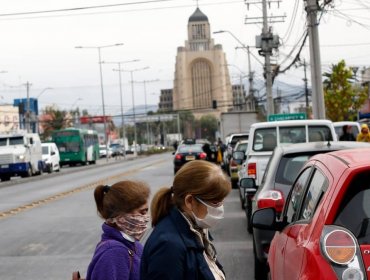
(49, 226)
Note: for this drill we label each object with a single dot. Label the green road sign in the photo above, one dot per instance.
(285, 117)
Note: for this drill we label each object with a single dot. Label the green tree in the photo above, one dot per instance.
(209, 126)
(343, 96)
(54, 119)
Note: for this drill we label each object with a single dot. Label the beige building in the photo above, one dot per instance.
(9, 118)
(201, 74)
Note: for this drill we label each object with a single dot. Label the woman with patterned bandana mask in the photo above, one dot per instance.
(180, 246)
(124, 207)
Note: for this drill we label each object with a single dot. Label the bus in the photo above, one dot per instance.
(77, 146)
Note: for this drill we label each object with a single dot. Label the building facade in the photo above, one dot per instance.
(166, 101)
(201, 73)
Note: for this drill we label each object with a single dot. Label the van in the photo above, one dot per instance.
(265, 136)
(50, 155)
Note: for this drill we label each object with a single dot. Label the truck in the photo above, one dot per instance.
(236, 122)
(20, 155)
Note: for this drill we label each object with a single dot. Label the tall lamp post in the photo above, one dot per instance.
(133, 102)
(250, 90)
(121, 97)
(146, 109)
(101, 85)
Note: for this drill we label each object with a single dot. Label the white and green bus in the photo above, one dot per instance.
(77, 146)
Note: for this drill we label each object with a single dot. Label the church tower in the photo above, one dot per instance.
(201, 74)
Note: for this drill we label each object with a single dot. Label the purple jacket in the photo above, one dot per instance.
(112, 260)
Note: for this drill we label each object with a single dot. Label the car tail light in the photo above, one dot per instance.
(233, 163)
(339, 246)
(352, 273)
(252, 170)
(178, 156)
(202, 155)
(272, 199)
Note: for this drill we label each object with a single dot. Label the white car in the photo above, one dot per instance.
(103, 150)
(50, 155)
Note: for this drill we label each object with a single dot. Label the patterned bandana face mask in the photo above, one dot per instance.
(133, 225)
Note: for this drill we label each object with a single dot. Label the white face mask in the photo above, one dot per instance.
(213, 216)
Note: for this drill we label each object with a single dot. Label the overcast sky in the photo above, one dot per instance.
(40, 47)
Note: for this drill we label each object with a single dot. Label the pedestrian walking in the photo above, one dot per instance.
(180, 246)
(124, 208)
(364, 135)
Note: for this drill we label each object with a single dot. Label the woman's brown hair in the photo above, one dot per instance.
(122, 197)
(200, 178)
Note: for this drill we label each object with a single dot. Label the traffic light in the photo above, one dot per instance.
(214, 104)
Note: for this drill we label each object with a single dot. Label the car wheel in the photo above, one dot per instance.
(260, 268)
(5, 178)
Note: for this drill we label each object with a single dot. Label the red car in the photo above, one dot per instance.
(324, 229)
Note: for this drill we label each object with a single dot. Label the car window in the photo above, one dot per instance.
(292, 134)
(319, 133)
(316, 189)
(190, 148)
(354, 210)
(264, 139)
(289, 167)
(295, 197)
(242, 147)
(267, 169)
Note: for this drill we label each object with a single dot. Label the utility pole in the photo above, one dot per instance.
(306, 87)
(266, 37)
(250, 77)
(28, 112)
(266, 42)
(318, 104)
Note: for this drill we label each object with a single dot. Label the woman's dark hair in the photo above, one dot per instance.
(122, 197)
(200, 178)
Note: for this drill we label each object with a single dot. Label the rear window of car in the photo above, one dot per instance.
(354, 210)
(190, 148)
(242, 147)
(289, 167)
(237, 138)
(265, 139)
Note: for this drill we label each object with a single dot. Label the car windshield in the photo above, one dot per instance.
(190, 149)
(242, 147)
(45, 150)
(16, 141)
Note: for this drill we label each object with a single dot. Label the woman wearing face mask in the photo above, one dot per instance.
(124, 207)
(180, 246)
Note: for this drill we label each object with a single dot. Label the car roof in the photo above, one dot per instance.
(291, 123)
(352, 157)
(319, 146)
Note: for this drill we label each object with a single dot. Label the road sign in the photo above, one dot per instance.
(284, 117)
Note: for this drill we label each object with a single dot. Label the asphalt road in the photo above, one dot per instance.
(49, 226)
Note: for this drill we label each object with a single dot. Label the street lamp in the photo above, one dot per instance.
(101, 85)
(121, 97)
(75, 113)
(146, 110)
(133, 102)
(45, 89)
(250, 90)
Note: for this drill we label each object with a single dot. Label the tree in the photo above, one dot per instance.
(54, 119)
(343, 96)
(209, 126)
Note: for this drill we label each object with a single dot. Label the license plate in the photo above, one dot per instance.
(190, 157)
(5, 166)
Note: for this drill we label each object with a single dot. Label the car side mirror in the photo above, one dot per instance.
(249, 185)
(173, 153)
(264, 218)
